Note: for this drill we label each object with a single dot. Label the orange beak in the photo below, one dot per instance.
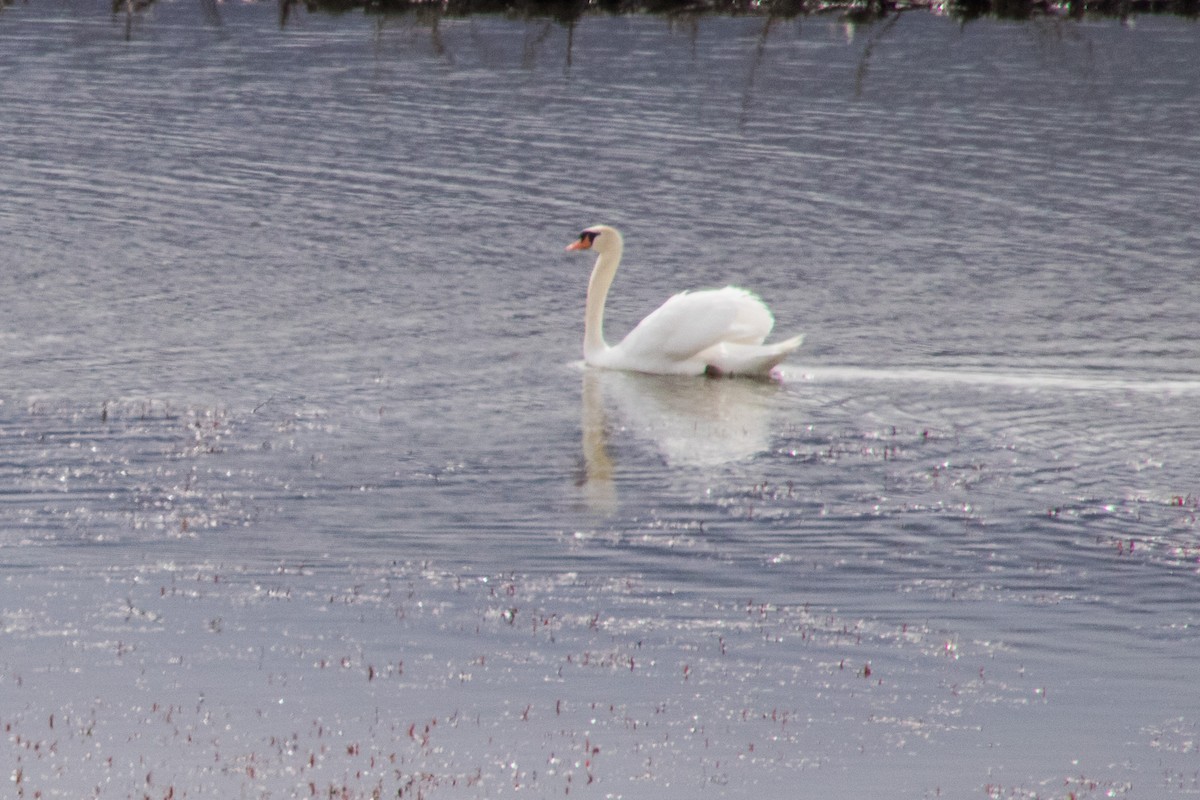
(579, 244)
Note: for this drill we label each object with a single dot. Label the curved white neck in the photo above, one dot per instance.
(597, 294)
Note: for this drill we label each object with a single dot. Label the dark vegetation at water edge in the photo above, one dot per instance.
(865, 10)
(570, 10)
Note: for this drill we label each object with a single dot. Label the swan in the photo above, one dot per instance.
(707, 332)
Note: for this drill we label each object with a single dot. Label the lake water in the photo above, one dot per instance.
(305, 493)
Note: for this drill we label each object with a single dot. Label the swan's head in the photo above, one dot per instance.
(601, 238)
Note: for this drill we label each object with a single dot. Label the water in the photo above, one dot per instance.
(306, 494)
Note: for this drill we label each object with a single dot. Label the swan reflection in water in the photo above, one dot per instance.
(692, 422)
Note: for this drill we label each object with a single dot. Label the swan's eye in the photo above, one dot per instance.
(587, 237)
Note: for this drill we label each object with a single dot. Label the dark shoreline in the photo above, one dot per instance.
(864, 10)
(569, 11)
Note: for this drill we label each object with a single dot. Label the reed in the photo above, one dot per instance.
(862, 10)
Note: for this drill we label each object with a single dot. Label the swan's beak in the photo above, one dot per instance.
(579, 244)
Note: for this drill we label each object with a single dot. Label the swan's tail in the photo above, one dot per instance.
(750, 359)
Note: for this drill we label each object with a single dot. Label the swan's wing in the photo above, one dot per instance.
(754, 320)
(691, 322)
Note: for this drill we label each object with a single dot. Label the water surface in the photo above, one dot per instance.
(305, 491)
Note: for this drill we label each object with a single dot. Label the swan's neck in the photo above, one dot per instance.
(597, 294)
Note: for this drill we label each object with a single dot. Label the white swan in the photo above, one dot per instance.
(709, 332)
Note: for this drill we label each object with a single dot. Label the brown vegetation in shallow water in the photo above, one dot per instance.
(571, 10)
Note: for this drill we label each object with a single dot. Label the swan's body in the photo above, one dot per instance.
(713, 331)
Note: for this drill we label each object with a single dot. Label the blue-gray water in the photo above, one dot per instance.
(303, 491)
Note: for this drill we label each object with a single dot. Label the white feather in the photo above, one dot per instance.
(692, 333)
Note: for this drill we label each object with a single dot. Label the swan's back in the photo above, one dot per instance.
(691, 322)
(754, 320)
